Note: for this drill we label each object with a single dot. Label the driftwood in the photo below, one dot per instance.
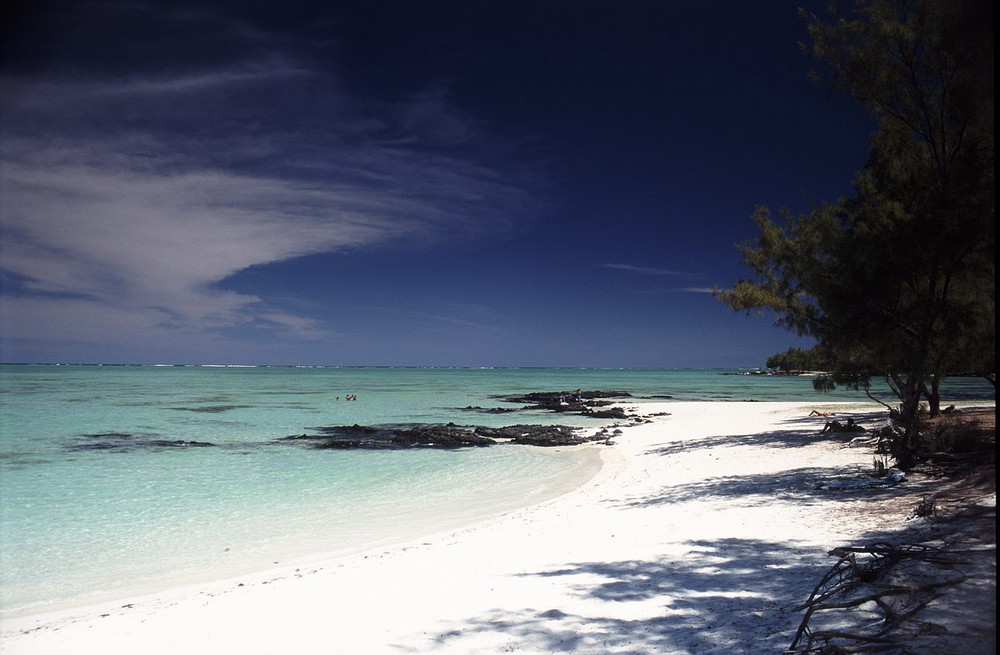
(851, 584)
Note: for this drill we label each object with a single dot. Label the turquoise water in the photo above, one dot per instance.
(151, 506)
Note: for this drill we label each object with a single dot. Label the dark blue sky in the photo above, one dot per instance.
(402, 183)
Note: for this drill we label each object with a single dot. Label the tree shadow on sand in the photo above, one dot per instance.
(806, 485)
(727, 596)
(732, 596)
(802, 431)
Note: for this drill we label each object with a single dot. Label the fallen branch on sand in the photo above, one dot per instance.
(868, 585)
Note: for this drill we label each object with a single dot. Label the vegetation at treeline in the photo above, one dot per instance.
(897, 280)
(796, 359)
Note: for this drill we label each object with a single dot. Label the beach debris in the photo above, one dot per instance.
(926, 507)
(892, 476)
(864, 442)
(872, 596)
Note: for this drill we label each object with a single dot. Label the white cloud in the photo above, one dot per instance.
(649, 271)
(295, 326)
(123, 237)
(122, 225)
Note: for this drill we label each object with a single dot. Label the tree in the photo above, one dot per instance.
(796, 359)
(925, 71)
(898, 280)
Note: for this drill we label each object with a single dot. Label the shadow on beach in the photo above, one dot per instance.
(801, 485)
(729, 595)
(806, 431)
(735, 595)
(804, 486)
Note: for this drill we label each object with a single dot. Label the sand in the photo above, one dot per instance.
(700, 534)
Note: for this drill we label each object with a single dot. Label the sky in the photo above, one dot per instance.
(408, 183)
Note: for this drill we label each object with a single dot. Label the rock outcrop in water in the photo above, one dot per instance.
(450, 435)
(581, 403)
(553, 397)
(537, 435)
(392, 437)
(122, 441)
(427, 435)
(440, 436)
(491, 410)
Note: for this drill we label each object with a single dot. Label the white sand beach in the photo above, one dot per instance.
(701, 534)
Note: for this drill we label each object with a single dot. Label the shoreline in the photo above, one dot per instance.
(699, 533)
(459, 511)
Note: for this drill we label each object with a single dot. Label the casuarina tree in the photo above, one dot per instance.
(896, 281)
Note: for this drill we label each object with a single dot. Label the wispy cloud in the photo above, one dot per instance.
(642, 270)
(660, 292)
(127, 202)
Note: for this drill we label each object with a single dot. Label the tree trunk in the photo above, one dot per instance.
(909, 389)
(905, 449)
(933, 395)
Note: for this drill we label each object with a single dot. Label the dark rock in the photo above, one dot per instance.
(178, 443)
(122, 441)
(448, 436)
(210, 409)
(393, 437)
(536, 435)
(552, 399)
(614, 412)
(565, 401)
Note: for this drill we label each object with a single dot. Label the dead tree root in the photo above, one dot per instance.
(870, 579)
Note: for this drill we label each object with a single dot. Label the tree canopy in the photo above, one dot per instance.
(896, 281)
(796, 359)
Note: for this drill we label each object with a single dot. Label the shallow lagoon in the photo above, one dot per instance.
(108, 488)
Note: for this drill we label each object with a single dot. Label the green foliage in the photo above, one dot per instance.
(796, 359)
(789, 260)
(898, 280)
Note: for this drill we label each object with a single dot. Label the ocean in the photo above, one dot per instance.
(118, 480)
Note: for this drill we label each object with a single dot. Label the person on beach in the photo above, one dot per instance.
(837, 426)
(816, 412)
